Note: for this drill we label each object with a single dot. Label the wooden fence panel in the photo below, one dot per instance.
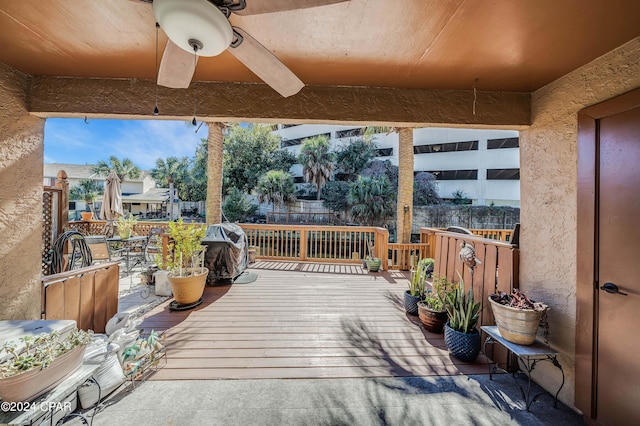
(87, 295)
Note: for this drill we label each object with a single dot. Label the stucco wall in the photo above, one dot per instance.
(21, 158)
(548, 171)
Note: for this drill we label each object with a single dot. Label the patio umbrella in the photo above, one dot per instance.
(111, 207)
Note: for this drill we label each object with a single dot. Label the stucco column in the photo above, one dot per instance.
(405, 185)
(21, 188)
(214, 173)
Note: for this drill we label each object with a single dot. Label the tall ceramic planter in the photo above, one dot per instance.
(187, 290)
(411, 303)
(519, 326)
(464, 346)
(432, 321)
(373, 265)
(33, 383)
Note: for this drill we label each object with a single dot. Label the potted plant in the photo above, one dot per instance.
(126, 225)
(432, 310)
(460, 333)
(518, 317)
(37, 364)
(187, 276)
(373, 264)
(417, 283)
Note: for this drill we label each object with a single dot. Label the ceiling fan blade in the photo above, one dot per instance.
(255, 7)
(265, 65)
(176, 67)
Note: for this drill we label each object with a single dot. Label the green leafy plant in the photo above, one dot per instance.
(38, 352)
(417, 285)
(126, 225)
(185, 248)
(436, 298)
(462, 309)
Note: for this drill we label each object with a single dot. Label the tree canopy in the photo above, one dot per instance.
(425, 191)
(354, 157)
(125, 168)
(249, 152)
(276, 186)
(317, 161)
(86, 190)
(371, 200)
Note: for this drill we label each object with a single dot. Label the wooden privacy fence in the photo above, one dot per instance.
(96, 227)
(87, 295)
(498, 272)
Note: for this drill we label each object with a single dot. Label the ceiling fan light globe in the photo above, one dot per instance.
(183, 20)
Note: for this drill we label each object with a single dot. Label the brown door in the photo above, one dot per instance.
(618, 347)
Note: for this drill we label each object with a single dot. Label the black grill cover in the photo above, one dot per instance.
(227, 251)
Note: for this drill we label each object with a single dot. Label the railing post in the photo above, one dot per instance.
(63, 204)
(382, 247)
(303, 244)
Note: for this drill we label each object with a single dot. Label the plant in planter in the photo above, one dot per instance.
(432, 310)
(187, 276)
(460, 333)
(518, 317)
(126, 225)
(417, 284)
(39, 363)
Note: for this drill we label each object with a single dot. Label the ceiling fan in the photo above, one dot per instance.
(202, 28)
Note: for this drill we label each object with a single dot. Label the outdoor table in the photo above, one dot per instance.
(127, 245)
(530, 355)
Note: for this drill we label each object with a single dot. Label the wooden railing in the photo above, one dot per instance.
(494, 234)
(96, 227)
(406, 256)
(87, 295)
(342, 244)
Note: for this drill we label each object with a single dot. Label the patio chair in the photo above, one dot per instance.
(101, 251)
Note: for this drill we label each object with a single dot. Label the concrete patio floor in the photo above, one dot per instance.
(460, 399)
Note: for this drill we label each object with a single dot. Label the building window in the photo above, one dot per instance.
(384, 152)
(286, 126)
(298, 179)
(72, 205)
(454, 174)
(503, 143)
(292, 142)
(446, 147)
(350, 133)
(503, 174)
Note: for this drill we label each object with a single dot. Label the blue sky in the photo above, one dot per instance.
(71, 140)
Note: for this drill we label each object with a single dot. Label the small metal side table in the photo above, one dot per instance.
(530, 356)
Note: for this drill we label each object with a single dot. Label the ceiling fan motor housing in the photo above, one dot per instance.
(186, 21)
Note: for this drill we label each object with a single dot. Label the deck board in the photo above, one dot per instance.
(296, 321)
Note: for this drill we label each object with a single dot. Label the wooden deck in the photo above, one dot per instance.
(294, 322)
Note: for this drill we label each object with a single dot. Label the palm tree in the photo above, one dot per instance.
(173, 170)
(371, 200)
(86, 190)
(125, 169)
(317, 161)
(276, 187)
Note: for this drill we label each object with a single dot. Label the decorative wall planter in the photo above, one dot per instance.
(188, 289)
(464, 346)
(519, 326)
(33, 383)
(432, 321)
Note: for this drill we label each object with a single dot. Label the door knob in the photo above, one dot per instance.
(612, 288)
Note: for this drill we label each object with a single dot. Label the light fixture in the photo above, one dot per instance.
(185, 21)
(156, 111)
(436, 148)
(196, 45)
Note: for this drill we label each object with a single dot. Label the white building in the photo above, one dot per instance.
(484, 164)
(139, 195)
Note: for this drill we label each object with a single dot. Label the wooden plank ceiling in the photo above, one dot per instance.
(508, 45)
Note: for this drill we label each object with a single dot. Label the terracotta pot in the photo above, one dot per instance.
(187, 290)
(86, 216)
(519, 326)
(33, 383)
(432, 321)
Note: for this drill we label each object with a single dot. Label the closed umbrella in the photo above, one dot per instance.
(111, 207)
